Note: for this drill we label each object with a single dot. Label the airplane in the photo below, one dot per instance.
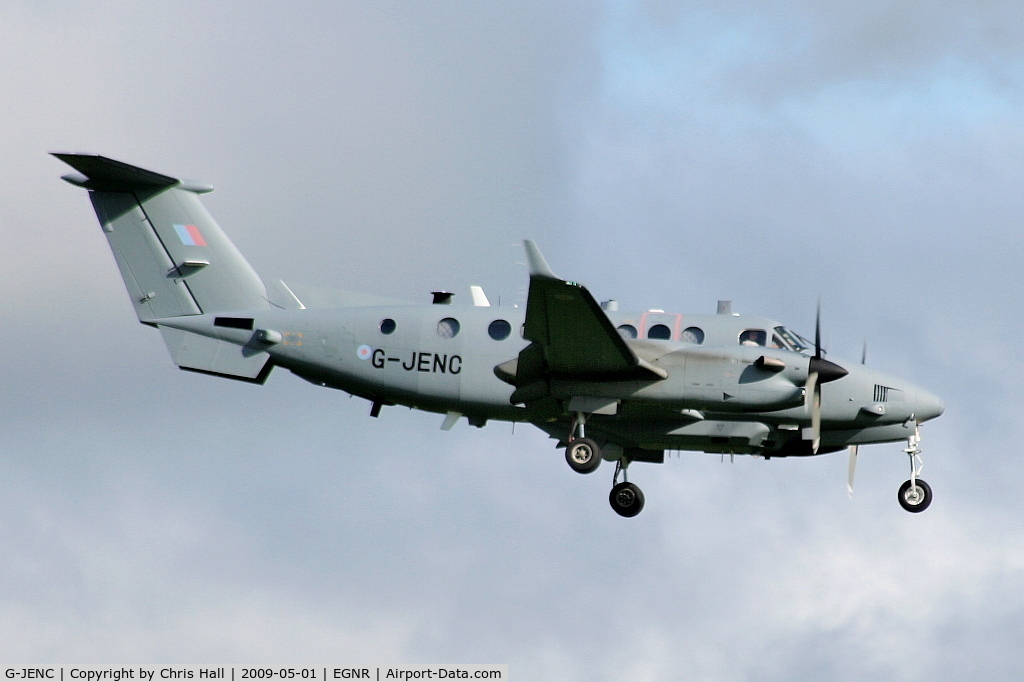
(613, 386)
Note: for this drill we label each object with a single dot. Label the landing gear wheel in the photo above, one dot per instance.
(915, 498)
(583, 455)
(626, 499)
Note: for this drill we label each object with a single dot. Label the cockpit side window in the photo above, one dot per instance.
(790, 340)
(753, 337)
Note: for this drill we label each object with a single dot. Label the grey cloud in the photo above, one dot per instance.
(804, 43)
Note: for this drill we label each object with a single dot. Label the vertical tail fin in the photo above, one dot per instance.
(174, 258)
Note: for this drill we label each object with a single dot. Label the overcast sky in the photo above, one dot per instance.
(667, 154)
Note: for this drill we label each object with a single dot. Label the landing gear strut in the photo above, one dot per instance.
(626, 498)
(582, 454)
(915, 495)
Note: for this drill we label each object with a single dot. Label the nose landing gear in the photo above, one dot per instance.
(915, 495)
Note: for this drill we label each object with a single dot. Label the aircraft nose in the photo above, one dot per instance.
(928, 406)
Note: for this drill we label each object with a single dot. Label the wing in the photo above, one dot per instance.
(571, 339)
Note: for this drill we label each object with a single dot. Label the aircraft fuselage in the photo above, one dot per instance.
(607, 385)
(718, 396)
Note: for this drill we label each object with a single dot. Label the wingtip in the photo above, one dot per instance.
(538, 265)
(68, 157)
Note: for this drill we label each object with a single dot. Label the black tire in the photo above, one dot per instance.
(583, 455)
(915, 501)
(626, 499)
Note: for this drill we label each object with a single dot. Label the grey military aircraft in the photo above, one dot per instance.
(607, 385)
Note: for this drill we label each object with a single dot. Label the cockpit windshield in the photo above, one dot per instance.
(791, 341)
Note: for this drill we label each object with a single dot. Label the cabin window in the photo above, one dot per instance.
(692, 335)
(627, 331)
(753, 337)
(659, 331)
(499, 330)
(387, 326)
(448, 328)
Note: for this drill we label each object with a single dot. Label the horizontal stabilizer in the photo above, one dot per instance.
(108, 175)
(212, 356)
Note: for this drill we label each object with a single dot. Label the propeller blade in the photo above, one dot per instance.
(817, 331)
(812, 399)
(851, 468)
(819, 371)
(864, 353)
(811, 387)
(816, 418)
(825, 369)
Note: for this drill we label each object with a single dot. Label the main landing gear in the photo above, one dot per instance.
(582, 453)
(915, 495)
(626, 498)
(584, 456)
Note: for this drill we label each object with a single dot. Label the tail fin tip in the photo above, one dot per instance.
(101, 173)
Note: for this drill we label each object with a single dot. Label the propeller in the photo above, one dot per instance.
(819, 371)
(851, 467)
(812, 392)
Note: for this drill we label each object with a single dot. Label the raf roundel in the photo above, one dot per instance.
(364, 352)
